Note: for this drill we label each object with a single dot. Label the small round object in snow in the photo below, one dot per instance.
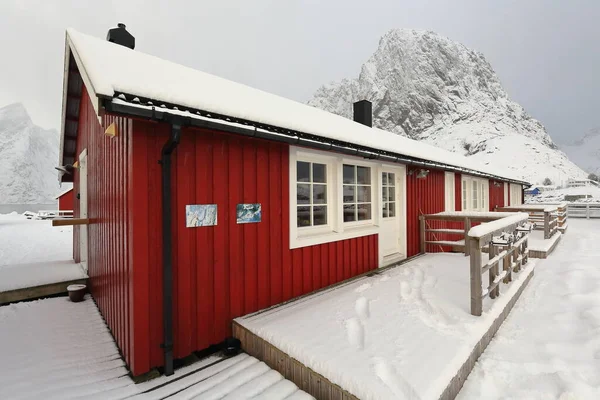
(76, 292)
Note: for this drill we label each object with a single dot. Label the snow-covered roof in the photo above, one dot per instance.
(63, 193)
(109, 70)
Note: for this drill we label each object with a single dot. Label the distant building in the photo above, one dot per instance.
(581, 183)
(65, 200)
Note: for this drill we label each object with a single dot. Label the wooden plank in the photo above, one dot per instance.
(70, 221)
(422, 234)
(475, 266)
(452, 231)
(37, 292)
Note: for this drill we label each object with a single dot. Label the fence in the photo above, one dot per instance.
(547, 217)
(505, 238)
(584, 210)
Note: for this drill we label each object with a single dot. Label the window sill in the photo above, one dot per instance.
(332, 236)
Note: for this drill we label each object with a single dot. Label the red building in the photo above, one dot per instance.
(65, 200)
(173, 164)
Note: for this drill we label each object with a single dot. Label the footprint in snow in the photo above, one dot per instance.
(362, 308)
(397, 384)
(362, 287)
(356, 333)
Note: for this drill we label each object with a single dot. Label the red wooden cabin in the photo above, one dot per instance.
(65, 200)
(338, 198)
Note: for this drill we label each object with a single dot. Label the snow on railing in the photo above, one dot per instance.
(504, 235)
(506, 241)
(548, 217)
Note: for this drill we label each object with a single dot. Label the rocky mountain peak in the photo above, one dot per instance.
(428, 87)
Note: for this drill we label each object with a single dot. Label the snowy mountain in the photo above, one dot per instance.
(28, 155)
(585, 151)
(430, 88)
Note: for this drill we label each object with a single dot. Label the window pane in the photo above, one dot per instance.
(303, 216)
(392, 209)
(319, 173)
(349, 213)
(384, 194)
(319, 194)
(384, 178)
(349, 195)
(392, 179)
(349, 174)
(364, 212)
(363, 175)
(385, 210)
(320, 215)
(363, 194)
(392, 193)
(302, 171)
(303, 193)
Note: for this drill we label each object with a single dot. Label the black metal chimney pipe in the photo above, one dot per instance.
(120, 35)
(165, 163)
(363, 112)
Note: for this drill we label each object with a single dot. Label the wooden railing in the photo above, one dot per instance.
(507, 245)
(466, 219)
(547, 217)
(584, 210)
(504, 236)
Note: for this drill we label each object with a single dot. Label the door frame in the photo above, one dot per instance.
(400, 171)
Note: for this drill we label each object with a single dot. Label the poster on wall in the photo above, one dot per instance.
(200, 215)
(248, 213)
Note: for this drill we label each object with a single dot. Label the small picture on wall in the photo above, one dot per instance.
(200, 215)
(248, 213)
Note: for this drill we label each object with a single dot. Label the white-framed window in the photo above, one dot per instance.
(475, 194)
(332, 197)
(449, 192)
(356, 191)
(389, 204)
(311, 194)
(515, 194)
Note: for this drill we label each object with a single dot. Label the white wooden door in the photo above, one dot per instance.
(392, 236)
(83, 209)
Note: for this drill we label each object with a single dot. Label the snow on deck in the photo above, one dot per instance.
(35, 253)
(549, 346)
(403, 333)
(537, 242)
(56, 349)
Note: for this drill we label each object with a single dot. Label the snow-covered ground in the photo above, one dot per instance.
(29, 241)
(34, 253)
(558, 195)
(56, 349)
(549, 346)
(403, 333)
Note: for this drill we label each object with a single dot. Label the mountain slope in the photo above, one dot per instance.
(430, 88)
(585, 151)
(28, 155)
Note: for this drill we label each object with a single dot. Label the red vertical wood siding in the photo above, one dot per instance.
(458, 191)
(109, 233)
(423, 196)
(230, 269)
(496, 195)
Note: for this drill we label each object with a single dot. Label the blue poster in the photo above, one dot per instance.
(248, 213)
(200, 215)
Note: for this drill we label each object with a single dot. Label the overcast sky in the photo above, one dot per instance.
(544, 51)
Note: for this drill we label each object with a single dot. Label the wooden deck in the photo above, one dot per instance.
(293, 370)
(37, 292)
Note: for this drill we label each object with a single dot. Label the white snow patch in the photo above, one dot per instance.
(417, 334)
(549, 347)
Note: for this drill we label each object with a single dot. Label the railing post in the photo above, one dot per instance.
(475, 253)
(422, 233)
(506, 266)
(587, 211)
(493, 271)
(467, 242)
(546, 224)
